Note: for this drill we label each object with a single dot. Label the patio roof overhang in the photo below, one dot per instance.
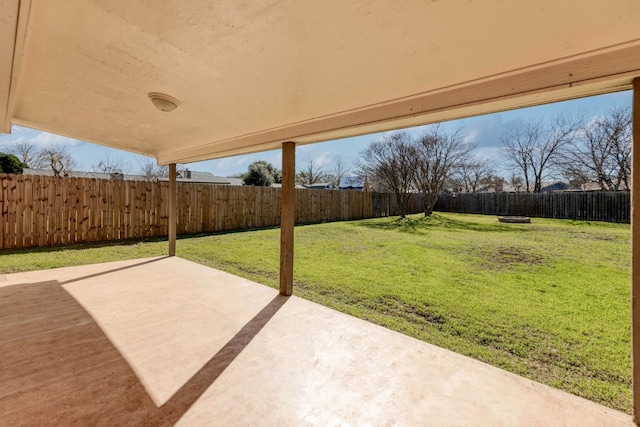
(252, 75)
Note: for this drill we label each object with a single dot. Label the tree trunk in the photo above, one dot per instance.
(430, 200)
(402, 204)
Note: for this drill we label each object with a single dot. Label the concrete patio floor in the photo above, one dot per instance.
(165, 341)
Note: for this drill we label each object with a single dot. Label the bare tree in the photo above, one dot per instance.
(150, 170)
(438, 155)
(57, 158)
(473, 173)
(602, 153)
(534, 149)
(339, 169)
(620, 133)
(112, 165)
(519, 145)
(497, 182)
(390, 161)
(311, 172)
(517, 183)
(28, 153)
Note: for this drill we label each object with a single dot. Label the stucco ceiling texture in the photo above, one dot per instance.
(252, 74)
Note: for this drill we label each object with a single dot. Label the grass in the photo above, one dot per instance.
(547, 300)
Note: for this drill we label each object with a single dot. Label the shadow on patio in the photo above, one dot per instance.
(58, 366)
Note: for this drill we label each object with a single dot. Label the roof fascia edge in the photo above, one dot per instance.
(24, 12)
(454, 112)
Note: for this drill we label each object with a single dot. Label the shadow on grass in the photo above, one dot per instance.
(421, 224)
(82, 245)
(124, 242)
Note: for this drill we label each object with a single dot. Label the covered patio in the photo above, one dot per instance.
(165, 341)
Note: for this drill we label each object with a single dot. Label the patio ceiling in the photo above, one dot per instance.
(251, 75)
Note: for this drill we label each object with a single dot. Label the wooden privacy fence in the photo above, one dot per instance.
(43, 211)
(589, 206)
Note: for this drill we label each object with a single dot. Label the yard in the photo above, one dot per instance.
(547, 300)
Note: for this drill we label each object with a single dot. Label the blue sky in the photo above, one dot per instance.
(484, 131)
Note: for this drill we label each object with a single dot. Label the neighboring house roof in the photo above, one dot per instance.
(195, 177)
(486, 189)
(187, 175)
(587, 186)
(80, 174)
(547, 187)
(352, 182)
(319, 186)
(278, 185)
(510, 188)
(556, 186)
(234, 181)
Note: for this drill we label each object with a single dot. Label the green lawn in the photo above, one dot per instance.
(547, 300)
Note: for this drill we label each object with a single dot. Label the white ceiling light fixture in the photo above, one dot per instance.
(164, 102)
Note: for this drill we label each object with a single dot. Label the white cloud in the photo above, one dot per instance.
(471, 137)
(225, 164)
(239, 161)
(304, 148)
(41, 139)
(276, 159)
(325, 158)
(490, 153)
(47, 139)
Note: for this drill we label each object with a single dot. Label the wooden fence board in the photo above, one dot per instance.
(4, 201)
(19, 204)
(588, 206)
